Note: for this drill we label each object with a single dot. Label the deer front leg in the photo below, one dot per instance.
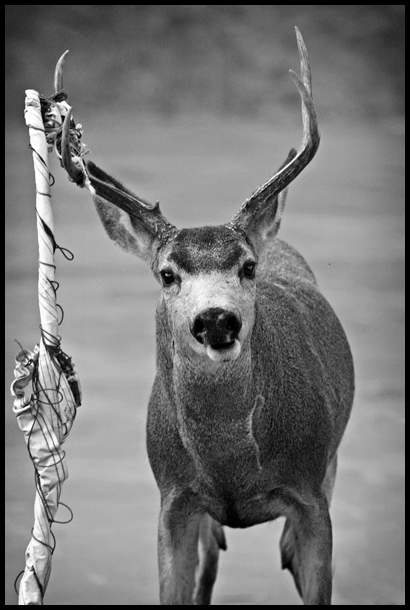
(211, 540)
(306, 546)
(178, 534)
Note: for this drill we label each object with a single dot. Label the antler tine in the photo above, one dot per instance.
(58, 73)
(310, 143)
(71, 168)
(304, 62)
(308, 109)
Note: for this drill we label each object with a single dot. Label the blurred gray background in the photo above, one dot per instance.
(194, 106)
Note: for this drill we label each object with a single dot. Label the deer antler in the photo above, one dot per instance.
(70, 143)
(104, 187)
(108, 189)
(268, 192)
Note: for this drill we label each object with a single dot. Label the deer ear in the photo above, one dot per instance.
(134, 224)
(263, 226)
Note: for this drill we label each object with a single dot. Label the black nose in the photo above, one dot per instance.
(216, 327)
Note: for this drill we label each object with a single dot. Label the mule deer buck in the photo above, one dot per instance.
(254, 382)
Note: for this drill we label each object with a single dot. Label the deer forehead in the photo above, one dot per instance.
(208, 249)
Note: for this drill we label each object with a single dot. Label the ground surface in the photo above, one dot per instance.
(345, 214)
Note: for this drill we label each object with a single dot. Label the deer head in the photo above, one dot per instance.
(208, 275)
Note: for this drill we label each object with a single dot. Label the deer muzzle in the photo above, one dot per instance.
(217, 328)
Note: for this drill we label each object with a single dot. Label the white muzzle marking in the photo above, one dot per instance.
(224, 355)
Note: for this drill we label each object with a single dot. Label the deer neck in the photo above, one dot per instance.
(215, 407)
(205, 389)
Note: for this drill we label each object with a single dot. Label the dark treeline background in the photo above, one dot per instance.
(219, 58)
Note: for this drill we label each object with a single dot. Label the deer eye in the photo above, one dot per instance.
(167, 277)
(249, 269)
